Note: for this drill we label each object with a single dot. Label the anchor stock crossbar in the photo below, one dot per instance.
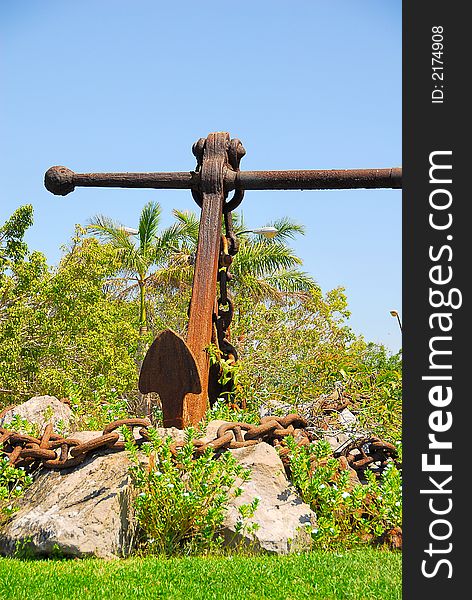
(61, 181)
(176, 369)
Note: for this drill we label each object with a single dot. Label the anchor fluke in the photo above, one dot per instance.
(169, 368)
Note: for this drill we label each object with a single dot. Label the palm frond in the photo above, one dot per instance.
(110, 231)
(292, 281)
(113, 233)
(131, 290)
(259, 290)
(174, 276)
(133, 261)
(149, 224)
(170, 237)
(262, 259)
(188, 225)
(166, 245)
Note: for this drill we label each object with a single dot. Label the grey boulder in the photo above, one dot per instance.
(283, 520)
(76, 512)
(41, 410)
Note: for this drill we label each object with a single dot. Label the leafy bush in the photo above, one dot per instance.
(221, 410)
(347, 514)
(12, 246)
(101, 406)
(377, 383)
(296, 351)
(13, 482)
(181, 503)
(23, 426)
(62, 326)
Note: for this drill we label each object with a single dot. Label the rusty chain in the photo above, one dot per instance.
(54, 451)
(362, 452)
(229, 247)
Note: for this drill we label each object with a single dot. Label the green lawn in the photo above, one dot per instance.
(360, 575)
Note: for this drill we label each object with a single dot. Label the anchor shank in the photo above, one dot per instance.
(200, 323)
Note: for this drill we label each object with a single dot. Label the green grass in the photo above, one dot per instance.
(358, 575)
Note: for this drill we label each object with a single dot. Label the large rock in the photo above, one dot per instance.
(178, 435)
(347, 419)
(337, 440)
(82, 511)
(41, 410)
(211, 430)
(284, 520)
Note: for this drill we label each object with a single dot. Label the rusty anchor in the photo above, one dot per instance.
(177, 369)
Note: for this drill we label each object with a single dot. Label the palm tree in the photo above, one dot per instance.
(263, 269)
(267, 268)
(181, 240)
(138, 259)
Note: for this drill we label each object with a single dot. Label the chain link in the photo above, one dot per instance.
(225, 307)
(364, 451)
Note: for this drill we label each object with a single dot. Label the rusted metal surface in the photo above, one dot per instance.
(169, 368)
(319, 180)
(364, 451)
(202, 304)
(30, 452)
(61, 180)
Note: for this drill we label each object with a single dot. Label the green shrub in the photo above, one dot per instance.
(295, 352)
(101, 406)
(23, 426)
(64, 325)
(181, 502)
(13, 482)
(347, 514)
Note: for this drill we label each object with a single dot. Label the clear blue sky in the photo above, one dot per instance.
(129, 86)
